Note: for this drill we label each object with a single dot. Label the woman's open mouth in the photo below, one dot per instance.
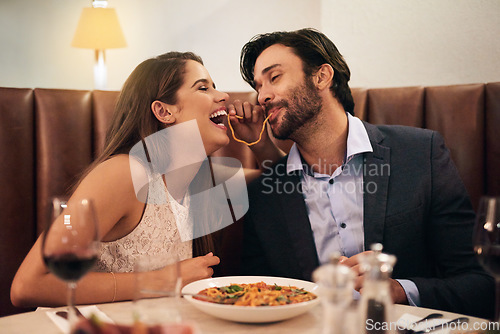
(218, 117)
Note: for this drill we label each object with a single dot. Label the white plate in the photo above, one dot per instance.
(253, 314)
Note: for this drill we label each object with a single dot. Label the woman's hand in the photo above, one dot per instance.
(198, 268)
(248, 127)
(247, 121)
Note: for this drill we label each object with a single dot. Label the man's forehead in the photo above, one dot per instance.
(275, 56)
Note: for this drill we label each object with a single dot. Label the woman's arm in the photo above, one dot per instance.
(110, 188)
(118, 211)
(34, 286)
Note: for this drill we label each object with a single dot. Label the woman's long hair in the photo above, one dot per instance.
(158, 78)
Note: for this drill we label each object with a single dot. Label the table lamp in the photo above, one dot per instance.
(99, 29)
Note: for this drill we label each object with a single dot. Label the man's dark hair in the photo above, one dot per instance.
(313, 48)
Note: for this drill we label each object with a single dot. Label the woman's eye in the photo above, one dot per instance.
(204, 88)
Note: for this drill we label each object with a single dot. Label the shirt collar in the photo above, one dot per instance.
(357, 142)
(357, 138)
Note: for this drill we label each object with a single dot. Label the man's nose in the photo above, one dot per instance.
(265, 96)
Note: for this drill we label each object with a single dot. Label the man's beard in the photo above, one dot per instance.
(302, 106)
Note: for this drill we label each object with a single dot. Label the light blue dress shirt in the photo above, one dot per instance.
(335, 202)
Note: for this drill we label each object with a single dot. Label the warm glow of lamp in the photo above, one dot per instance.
(99, 29)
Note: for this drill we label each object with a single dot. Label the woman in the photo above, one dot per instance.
(171, 89)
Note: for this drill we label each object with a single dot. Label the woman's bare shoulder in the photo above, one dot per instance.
(121, 166)
(117, 176)
(111, 185)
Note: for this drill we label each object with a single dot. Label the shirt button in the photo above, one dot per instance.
(330, 181)
(343, 225)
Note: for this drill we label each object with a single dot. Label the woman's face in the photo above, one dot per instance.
(197, 99)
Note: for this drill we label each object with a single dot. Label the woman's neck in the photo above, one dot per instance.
(178, 180)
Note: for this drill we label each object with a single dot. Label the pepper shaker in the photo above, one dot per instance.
(335, 288)
(376, 303)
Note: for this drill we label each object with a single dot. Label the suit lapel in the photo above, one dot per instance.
(298, 225)
(375, 187)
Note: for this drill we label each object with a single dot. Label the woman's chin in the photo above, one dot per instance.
(217, 145)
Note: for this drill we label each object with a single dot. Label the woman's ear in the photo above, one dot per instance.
(162, 112)
(324, 76)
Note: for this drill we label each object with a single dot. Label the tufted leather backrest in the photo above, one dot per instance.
(17, 187)
(103, 105)
(49, 136)
(492, 143)
(458, 114)
(403, 106)
(63, 131)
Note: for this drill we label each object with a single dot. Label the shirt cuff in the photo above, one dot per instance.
(411, 291)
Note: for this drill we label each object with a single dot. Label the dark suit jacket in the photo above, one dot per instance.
(414, 204)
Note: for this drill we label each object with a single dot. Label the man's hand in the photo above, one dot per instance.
(354, 263)
(397, 292)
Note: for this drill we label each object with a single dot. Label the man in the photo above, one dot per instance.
(347, 184)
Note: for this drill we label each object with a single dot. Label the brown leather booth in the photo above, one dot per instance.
(48, 136)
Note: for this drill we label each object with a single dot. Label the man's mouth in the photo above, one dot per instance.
(218, 116)
(274, 111)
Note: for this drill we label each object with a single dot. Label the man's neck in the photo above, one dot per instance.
(323, 142)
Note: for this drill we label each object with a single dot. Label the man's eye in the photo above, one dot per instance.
(273, 78)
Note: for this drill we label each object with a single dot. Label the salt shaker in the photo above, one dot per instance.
(376, 301)
(335, 288)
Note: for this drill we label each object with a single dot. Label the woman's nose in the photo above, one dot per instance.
(222, 96)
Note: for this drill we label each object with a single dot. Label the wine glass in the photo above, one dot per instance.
(487, 241)
(70, 244)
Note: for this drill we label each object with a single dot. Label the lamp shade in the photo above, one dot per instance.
(98, 29)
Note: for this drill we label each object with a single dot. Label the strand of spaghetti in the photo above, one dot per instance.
(242, 141)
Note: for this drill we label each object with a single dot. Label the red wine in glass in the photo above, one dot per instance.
(487, 241)
(489, 258)
(69, 267)
(69, 246)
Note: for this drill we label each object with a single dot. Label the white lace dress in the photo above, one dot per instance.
(155, 240)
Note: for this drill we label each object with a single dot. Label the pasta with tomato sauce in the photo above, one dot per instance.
(255, 294)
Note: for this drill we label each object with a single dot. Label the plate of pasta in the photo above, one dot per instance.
(253, 299)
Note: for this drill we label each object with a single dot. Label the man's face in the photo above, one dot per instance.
(284, 91)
